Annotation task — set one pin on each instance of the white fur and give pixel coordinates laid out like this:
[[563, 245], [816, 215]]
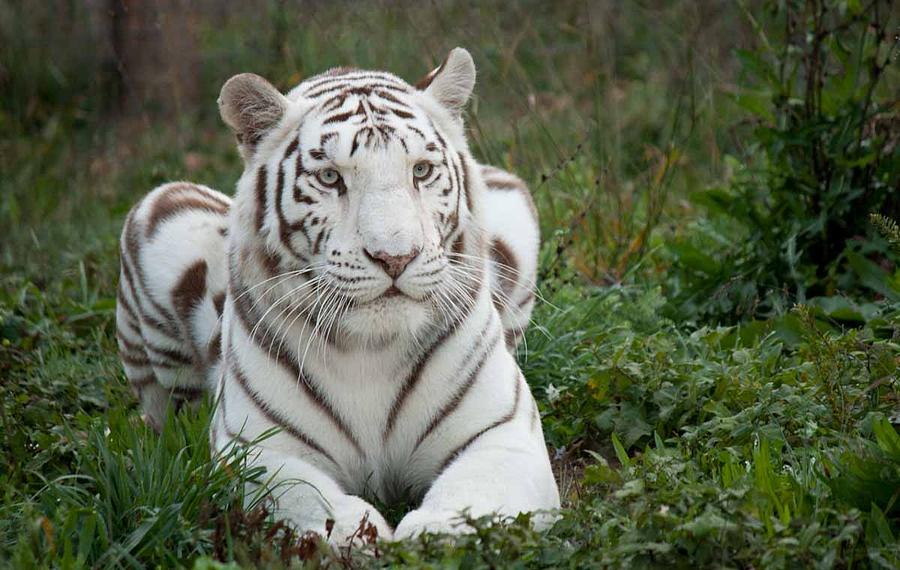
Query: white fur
[[346, 437]]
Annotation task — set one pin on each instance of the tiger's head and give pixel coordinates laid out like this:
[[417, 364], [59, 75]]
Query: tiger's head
[[361, 194]]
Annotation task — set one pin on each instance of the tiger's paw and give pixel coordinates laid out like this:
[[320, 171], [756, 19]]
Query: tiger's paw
[[431, 521], [357, 523]]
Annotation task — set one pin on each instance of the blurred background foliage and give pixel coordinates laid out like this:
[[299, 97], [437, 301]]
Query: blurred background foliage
[[716, 360], [595, 103]]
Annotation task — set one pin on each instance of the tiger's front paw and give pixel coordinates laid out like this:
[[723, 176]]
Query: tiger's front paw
[[431, 521], [357, 523]]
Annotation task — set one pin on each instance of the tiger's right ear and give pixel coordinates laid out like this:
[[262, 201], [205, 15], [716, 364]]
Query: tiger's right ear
[[251, 106]]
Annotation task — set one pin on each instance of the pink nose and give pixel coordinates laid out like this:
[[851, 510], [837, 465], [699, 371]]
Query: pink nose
[[393, 265]]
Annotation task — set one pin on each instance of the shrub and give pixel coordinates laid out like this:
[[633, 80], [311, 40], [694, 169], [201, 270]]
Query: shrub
[[792, 224]]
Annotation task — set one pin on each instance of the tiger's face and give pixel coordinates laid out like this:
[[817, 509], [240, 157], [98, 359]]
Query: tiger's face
[[357, 185]]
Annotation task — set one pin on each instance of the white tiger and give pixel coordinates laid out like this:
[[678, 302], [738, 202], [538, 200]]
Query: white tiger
[[367, 274]]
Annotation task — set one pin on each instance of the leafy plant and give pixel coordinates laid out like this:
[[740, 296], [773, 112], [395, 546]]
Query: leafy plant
[[888, 228], [823, 153], [868, 473]]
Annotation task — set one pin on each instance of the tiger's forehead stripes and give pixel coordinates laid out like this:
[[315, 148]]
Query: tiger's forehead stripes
[[365, 84], [338, 99], [350, 76], [361, 100]]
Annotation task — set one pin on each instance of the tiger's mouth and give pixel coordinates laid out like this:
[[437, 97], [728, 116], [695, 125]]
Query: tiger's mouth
[[391, 294], [392, 291]]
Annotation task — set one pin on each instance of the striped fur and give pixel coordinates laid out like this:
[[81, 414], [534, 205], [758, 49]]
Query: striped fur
[[371, 279], [170, 296]]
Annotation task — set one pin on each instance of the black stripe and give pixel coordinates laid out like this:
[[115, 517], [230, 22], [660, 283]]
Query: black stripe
[[415, 375], [249, 319], [212, 195], [234, 436], [135, 360], [299, 170], [459, 191], [166, 355], [510, 185], [219, 302], [318, 242], [401, 114], [333, 103], [291, 148], [355, 144], [126, 306], [437, 134], [465, 186], [370, 86], [130, 254], [417, 131], [460, 394], [388, 97], [272, 415], [261, 184], [142, 382], [190, 290], [179, 198], [127, 344], [165, 329], [527, 299], [214, 348], [511, 338], [284, 228], [184, 395], [507, 418], [340, 117], [315, 83]]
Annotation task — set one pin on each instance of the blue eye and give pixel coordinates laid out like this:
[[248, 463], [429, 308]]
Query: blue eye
[[422, 170], [328, 177]]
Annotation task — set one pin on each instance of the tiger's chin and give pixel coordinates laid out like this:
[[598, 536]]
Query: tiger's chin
[[386, 320]]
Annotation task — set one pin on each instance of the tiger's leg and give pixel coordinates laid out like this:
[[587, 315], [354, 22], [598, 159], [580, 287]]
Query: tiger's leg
[[309, 499], [152, 396], [171, 290], [303, 492], [503, 470], [511, 221]]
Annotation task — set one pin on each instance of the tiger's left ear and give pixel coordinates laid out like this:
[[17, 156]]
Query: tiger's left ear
[[451, 84]]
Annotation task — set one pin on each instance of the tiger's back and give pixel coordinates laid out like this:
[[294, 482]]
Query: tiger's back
[[171, 294]]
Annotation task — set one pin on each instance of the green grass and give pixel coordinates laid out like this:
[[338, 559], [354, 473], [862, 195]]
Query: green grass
[[677, 443]]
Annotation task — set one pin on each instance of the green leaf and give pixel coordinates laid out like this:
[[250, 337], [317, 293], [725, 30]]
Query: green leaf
[[691, 257], [878, 531], [658, 441], [844, 309], [887, 437], [707, 523], [872, 276], [757, 103], [621, 454]]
